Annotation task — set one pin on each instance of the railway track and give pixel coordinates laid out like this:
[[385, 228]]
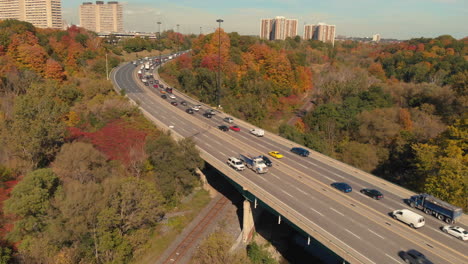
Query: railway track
[[179, 252]]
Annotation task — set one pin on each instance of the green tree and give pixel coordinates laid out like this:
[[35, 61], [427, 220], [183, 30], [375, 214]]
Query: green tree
[[36, 131], [259, 255], [30, 200], [174, 165], [5, 255], [215, 250]]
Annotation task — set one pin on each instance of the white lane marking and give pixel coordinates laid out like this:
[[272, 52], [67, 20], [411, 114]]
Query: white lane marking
[[286, 193], [397, 261], [352, 233], [302, 191], [316, 211], [223, 154], [303, 166], [263, 178], [376, 234], [272, 174], [208, 145], [328, 178], [340, 213]]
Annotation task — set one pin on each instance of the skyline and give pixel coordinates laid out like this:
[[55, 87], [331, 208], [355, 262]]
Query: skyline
[[360, 18]]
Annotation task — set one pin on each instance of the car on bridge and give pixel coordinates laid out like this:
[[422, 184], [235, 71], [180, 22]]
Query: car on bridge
[[207, 115], [275, 154], [184, 103], [235, 128], [456, 231], [228, 119], [300, 151], [171, 96], [164, 96], [267, 161], [174, 103], [342, 186], [376, 194], [414, 257], [196, 107], [236, 164], [189, 111], [223, 128]]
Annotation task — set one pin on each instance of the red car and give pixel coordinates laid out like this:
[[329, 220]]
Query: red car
[[234, 128], [155, 86]]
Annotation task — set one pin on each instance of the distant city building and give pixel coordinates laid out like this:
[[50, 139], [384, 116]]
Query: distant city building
[[376, 38], [321, 32], [102, 18], [40, 13], [278, 28]]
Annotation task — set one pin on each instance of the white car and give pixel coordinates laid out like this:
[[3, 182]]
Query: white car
[[229, 119], [456, 231], [236, 163], [196, 107], [171, 96]]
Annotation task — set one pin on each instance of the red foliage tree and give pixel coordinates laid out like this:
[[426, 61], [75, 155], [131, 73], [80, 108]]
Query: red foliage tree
[[117, 140]]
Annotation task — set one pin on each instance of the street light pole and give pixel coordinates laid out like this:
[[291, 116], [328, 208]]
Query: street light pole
[[177, 35], [219, 62], [159, 38]]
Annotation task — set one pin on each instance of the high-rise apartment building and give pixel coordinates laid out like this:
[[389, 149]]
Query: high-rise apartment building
[[376, 38], [40, 13], [278, 28], [102, 18], [321, 31]]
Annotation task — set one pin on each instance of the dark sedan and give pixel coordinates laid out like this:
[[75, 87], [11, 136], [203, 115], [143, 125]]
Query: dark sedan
[[207, 115], [267, 161], [372, 193], [342, 186], [189, 110], [174, 103], [164, 96], [223, 128]]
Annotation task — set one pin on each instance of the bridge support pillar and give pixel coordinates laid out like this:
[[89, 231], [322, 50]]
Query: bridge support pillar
[[248, 226], [205, 185]]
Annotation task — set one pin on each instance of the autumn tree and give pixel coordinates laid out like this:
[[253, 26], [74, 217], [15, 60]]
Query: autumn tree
[[81, 162]]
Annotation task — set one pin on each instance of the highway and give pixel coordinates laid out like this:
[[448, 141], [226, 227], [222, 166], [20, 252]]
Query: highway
[[357, 224]]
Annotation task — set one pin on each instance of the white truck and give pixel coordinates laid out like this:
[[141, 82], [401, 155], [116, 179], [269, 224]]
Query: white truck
[[147, 66], [254, 163], [235, 163], [257, 132]]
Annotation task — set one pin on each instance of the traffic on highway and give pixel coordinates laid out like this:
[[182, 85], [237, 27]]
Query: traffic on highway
[[371, 219]]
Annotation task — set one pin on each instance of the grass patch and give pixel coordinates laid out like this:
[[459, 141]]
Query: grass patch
[[159, 242]]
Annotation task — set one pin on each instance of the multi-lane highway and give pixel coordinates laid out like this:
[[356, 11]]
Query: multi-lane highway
[[359, 227]]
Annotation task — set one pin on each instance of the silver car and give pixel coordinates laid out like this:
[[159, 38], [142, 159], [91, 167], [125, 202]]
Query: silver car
[[456, 231]]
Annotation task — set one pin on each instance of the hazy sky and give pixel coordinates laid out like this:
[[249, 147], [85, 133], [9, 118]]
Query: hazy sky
[[402, 19]]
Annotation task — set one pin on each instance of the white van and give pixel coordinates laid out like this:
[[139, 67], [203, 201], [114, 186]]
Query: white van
[[411, 218]]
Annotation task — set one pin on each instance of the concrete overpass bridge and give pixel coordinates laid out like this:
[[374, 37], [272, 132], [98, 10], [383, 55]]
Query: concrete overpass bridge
[[297, 189]]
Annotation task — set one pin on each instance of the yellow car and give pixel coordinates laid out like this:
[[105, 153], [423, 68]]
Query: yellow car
[[275, 154]]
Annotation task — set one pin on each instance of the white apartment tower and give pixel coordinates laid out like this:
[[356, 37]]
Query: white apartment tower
[[40, 13], [376, 38], [321, 32], [102, 18], [278, 28]]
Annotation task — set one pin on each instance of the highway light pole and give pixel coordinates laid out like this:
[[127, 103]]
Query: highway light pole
[[177, 36], [219, 62], [159, 38]]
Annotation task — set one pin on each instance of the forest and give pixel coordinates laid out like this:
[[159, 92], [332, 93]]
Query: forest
[[397, 110], [84, 177]]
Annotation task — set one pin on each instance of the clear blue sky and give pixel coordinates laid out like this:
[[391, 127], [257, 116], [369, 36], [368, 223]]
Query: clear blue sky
[[402, 19]]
